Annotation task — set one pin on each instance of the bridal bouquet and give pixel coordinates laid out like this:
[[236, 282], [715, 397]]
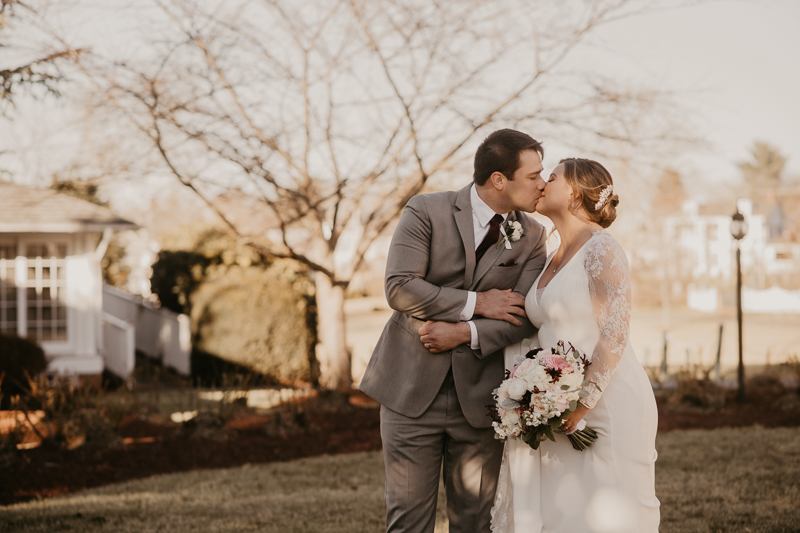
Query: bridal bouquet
[[538, 394]]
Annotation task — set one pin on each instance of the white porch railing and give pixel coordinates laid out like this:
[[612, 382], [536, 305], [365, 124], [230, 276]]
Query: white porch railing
[[159, 333], [120, 345]]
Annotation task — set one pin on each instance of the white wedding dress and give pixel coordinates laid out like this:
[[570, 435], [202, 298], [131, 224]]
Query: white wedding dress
[[608, 487]]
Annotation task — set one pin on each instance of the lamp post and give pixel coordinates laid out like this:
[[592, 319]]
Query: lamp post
[[738, 231]]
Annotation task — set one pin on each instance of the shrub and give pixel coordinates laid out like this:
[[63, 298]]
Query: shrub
[[790, 372], [765, 384], [176, 274], [73, 414], [257, 318], [88, 426], [695, 388], [207, 425], [249, 312], [19, 359]]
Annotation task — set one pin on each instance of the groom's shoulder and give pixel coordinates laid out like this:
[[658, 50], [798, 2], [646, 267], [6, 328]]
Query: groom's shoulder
[[440, 198]]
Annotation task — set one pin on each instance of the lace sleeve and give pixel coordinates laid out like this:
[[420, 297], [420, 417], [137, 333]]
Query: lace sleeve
[[610, 289]]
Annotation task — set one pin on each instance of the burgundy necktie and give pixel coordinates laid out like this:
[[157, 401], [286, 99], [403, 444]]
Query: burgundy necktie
[[490, 238]]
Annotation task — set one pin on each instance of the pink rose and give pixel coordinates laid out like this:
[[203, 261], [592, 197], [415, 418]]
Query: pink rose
[[556, 362]]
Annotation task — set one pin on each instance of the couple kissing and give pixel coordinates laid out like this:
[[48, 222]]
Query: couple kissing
[[472, 288]]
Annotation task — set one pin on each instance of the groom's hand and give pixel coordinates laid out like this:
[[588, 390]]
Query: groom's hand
[[440, 337], [500, 305]]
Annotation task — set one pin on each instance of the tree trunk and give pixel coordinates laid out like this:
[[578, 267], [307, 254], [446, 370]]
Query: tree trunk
[[332, 352]]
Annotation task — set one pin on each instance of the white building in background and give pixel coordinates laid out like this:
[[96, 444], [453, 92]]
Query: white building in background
[[699, 253], [51, 284]]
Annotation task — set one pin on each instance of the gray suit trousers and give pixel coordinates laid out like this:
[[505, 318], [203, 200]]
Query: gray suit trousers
[[416, 450]]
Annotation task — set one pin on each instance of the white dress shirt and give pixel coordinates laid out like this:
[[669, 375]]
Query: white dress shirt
[[482, 214]]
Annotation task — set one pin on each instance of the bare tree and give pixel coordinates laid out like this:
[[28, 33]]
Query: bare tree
[[34, 52], [331, 114]]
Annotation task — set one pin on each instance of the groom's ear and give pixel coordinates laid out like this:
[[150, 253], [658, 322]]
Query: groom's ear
[[498, 180]]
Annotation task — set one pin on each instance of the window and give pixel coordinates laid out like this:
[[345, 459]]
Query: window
[[32, 290], [8, 288], [46, 316]]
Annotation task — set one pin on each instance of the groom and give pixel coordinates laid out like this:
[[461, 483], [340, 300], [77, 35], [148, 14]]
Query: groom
[[457, 285]]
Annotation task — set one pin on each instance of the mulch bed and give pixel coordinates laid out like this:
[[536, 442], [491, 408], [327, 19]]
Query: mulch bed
[[754, 413], [349, 426], [152, 449]]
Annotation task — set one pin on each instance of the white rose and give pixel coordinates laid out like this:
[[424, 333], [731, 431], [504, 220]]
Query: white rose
[[562, 404], [511, 418], [537, 377], [517, 231], [524, 368], [503, 399], [517, 388]]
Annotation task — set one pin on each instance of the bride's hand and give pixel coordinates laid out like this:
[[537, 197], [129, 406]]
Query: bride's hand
[[569, 424]]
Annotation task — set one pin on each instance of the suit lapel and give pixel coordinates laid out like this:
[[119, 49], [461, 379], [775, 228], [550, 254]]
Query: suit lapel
[[492, 254], [463, 216]]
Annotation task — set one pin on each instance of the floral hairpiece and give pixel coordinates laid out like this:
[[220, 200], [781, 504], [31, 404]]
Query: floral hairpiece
[[604, 194]]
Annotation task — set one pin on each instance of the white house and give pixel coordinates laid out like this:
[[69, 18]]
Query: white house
[[51, 285]]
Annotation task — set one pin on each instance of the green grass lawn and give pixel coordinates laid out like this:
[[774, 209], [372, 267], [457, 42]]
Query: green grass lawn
[[708, 481]]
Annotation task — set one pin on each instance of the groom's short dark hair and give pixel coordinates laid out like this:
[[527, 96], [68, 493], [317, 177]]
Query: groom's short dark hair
[[499, 152]]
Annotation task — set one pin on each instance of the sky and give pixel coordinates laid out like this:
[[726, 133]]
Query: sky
[[735, 63], [732, 64]]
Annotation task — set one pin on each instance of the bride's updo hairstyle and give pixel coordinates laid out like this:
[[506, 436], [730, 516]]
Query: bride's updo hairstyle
[[588, 180]]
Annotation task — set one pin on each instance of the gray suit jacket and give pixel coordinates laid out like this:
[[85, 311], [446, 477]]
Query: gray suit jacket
[[430, 268]]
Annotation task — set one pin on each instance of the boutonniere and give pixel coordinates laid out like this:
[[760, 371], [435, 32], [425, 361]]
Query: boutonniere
[[513, 234]]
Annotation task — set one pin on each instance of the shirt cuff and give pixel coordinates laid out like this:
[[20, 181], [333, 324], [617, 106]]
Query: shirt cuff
[[473, 336], [469, 309]]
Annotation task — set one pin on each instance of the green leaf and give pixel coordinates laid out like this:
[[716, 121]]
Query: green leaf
[[584, 394], [549, 433], [588, 382], [564, 387], [526, 343], [573, 405], [532, 439]]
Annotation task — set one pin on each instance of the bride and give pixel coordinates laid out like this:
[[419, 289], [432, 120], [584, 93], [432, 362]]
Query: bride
[[583, 296]]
